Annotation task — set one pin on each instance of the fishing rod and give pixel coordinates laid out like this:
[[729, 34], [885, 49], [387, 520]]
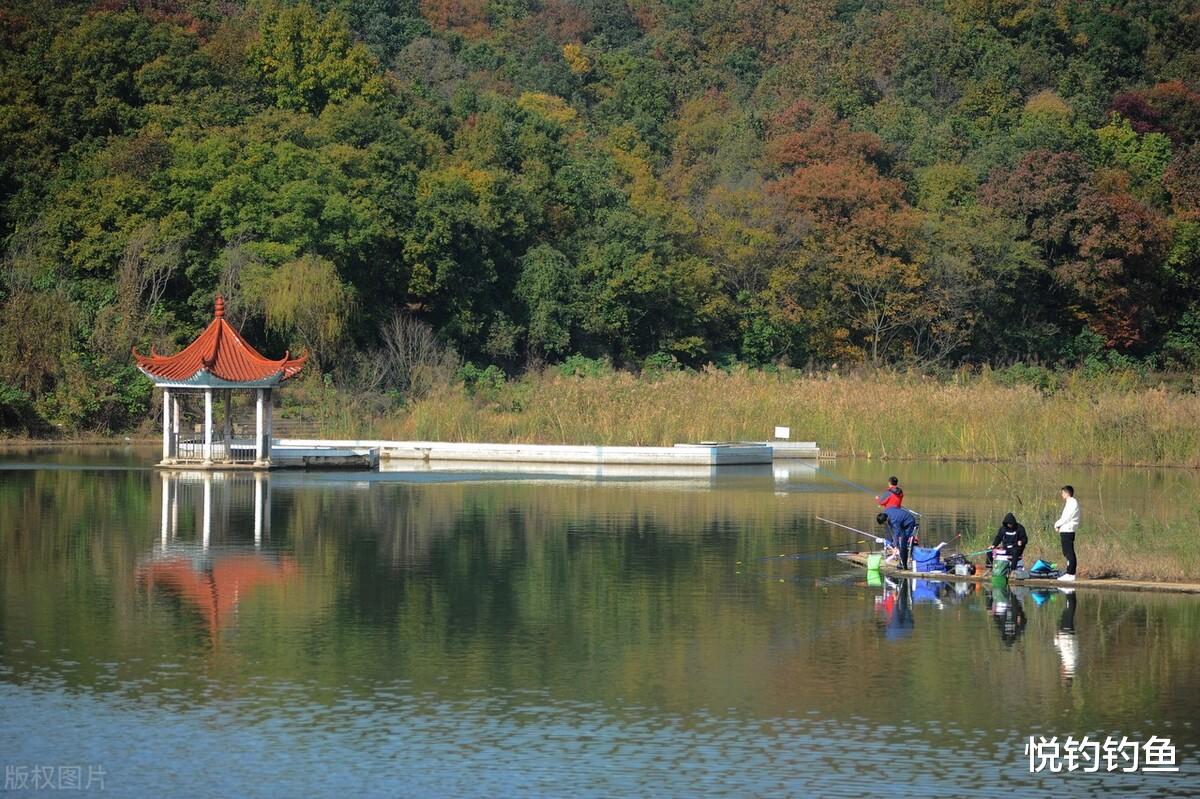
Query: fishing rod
[[850, 483], [858, 486], [809, 551], [875, 538]]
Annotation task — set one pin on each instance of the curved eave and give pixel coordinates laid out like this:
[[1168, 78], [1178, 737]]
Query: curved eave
[[206, 379]]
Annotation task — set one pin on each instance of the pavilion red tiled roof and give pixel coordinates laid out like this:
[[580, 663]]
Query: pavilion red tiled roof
[[220, 351]]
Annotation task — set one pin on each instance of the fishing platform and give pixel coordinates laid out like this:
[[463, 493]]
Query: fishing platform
[[859, 559]]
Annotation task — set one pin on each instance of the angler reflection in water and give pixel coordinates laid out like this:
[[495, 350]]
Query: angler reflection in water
[[1064, 639], [899, 597], [895, 607], [1007, 612], [207, 579]]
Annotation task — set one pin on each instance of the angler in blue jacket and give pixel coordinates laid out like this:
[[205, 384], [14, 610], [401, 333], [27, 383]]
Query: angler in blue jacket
[[900, 527]]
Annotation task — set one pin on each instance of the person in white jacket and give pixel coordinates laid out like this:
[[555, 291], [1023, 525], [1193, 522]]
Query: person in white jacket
[[1067, 524]]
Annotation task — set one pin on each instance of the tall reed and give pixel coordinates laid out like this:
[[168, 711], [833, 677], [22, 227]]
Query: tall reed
[[877, 416]]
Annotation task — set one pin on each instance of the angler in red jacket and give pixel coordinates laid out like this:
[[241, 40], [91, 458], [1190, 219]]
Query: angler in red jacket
[[893, 497]]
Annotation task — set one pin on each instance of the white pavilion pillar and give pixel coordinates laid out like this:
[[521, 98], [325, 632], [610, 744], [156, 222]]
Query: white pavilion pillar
[[167, 400], [208, 425], [176, 413], [228, 428], [260, 446], [270, 422]]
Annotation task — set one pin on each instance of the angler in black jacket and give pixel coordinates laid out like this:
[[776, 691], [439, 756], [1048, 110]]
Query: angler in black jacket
[[1012, 537]]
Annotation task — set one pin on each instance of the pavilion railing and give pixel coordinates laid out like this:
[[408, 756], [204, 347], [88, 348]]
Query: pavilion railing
[[189, 448]]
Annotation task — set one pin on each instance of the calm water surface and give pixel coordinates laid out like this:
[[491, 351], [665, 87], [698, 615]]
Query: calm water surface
[[561, 632]]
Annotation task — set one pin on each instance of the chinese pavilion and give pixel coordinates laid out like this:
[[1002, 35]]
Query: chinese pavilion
[[219, 360]]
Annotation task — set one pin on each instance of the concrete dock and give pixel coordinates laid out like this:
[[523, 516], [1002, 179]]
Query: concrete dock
[[325, 455], [368, 454], [705, 454]]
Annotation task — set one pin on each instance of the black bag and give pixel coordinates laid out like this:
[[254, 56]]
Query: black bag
[[953, 560]]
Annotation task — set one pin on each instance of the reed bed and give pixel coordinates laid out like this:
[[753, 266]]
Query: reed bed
[[883, 416]]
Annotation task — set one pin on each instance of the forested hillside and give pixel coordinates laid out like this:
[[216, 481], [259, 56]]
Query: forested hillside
[[691, 181]]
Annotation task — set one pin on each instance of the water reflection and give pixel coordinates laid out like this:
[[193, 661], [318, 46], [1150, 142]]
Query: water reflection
[[437, 625], [213, 581], [195, 491], [1064, 639], [1007, 612], [896, 606], [899, 596]]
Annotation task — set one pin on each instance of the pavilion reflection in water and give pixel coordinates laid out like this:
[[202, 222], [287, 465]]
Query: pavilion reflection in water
[[211, 577]]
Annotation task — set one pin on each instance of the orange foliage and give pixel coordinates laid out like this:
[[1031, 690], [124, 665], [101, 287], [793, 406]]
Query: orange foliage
[[833, 176], [559, 21], [468, 17]]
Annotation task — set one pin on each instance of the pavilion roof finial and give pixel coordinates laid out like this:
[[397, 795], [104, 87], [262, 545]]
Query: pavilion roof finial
[[219, 309]]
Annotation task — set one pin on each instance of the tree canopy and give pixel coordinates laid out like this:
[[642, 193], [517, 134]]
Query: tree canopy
[[956, 182]]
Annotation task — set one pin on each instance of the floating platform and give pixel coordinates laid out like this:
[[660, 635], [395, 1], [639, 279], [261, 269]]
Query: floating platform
[[285, 455], [239, 457], [793, 450], [705, 454], [860, 559], [367, 454]]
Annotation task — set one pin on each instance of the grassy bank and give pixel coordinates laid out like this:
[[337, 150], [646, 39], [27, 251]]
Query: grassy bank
[[879, 416], [1138, 551]]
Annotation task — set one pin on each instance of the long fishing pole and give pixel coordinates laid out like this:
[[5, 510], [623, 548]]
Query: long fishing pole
[[858, 486], [809, 551], [875, 538], [850, 483]]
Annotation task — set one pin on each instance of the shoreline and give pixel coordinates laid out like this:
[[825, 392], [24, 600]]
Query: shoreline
[[117, 439], [1105, 570]]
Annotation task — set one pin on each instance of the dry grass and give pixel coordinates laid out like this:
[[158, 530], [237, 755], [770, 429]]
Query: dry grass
[[882, 416]]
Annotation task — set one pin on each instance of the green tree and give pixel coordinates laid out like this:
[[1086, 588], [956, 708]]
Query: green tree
[[307, 60], [307, 302], [549, 290]]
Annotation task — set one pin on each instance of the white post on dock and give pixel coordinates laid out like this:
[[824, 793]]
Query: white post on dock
[[176, 426], [208, 425], [166, 425]]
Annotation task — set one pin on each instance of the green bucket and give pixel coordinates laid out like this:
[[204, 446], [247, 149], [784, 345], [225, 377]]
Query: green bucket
[[874, 561], [1000, 568]]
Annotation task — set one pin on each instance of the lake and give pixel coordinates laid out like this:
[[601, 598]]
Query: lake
[[561, 632]]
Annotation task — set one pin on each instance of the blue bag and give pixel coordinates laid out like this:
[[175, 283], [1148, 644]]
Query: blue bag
[[1043, 569], [927, 560]]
